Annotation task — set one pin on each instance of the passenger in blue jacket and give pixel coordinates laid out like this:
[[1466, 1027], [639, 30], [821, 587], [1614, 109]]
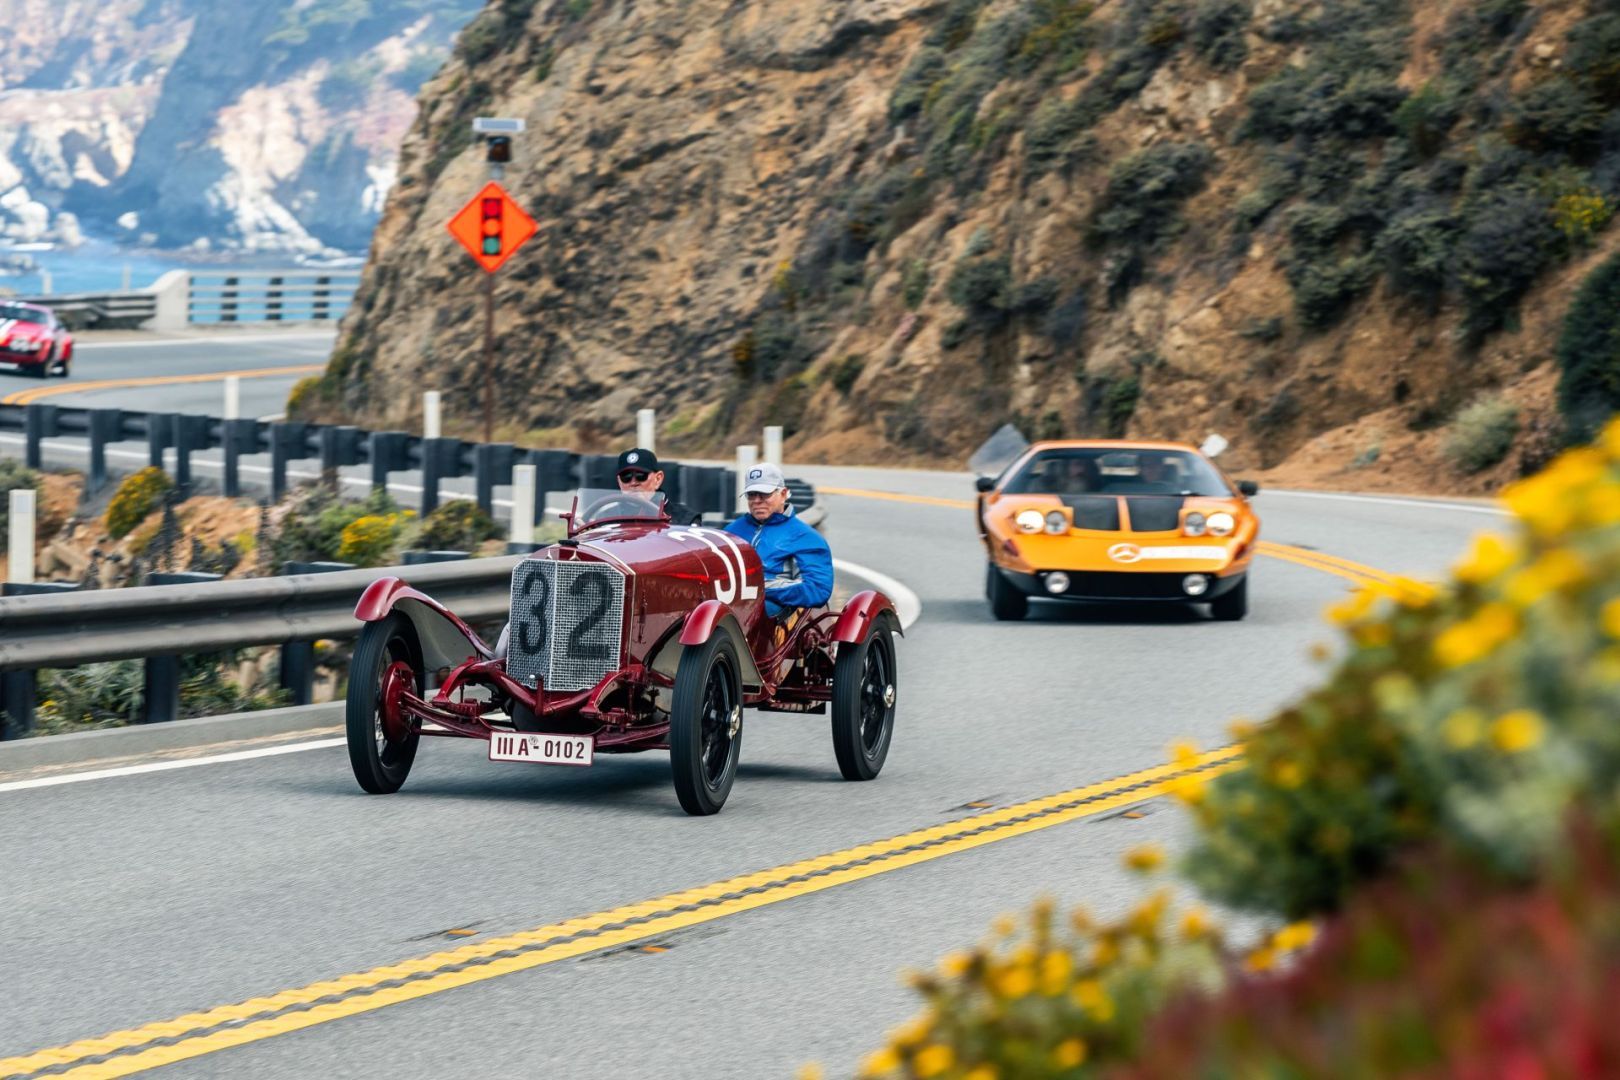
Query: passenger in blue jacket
[[798, 562]]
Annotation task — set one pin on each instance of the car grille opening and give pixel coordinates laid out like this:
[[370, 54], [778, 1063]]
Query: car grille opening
[[1099, 513], [567, 623], [1155, 513], [1125, 585]]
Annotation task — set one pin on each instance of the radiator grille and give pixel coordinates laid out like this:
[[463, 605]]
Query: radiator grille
[[567, 623]]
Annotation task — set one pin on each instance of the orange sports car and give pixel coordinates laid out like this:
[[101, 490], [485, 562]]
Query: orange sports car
[[1117, 521]]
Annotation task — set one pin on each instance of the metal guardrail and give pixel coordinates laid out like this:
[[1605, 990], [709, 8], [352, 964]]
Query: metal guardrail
[[705, 488], [269, 295], [104, 311]]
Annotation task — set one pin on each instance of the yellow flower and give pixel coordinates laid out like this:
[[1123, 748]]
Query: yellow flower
[[1069, 1053], [1242, 729], [912, 1033], [1349, 611], [1608, 664], [1145, 859], [1476, 637], [983, 1072], [1196, 924], [933, 1060], [1489, 559], [811, 1071], [1004, 925], [1144, 920], [1516, 731], [1602, 507], [880, 1062], [1288, 775], [956, 964], [1183, 752], [1610, 439], [1555, 570], [1056, 967], [1190, 789], [1262, 959], [1015, 982], [1090, 996], [1411, 593], [1463, 728], [1294, 936], [1609, 618]]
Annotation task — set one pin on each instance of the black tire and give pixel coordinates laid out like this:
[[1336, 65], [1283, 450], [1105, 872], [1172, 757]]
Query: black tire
[[1006, 603], [1234, 605], [705, 725], [380, 764], [865, 682]]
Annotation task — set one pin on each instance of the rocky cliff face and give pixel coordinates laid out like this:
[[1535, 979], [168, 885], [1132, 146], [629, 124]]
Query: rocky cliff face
[[1325, 230], [207, 123]]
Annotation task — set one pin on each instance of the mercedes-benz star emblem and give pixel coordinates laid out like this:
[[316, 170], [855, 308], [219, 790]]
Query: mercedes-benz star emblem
[[1125, 553]]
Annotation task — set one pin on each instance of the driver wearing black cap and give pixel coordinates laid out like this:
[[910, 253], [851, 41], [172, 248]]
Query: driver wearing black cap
[[639, 473]]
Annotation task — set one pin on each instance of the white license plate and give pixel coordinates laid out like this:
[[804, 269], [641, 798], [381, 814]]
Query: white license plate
[[542, 749]]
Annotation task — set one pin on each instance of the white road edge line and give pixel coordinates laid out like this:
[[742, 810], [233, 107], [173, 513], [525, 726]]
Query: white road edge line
[[1393, 501], [905, 600], [165, 766], [238, 339]]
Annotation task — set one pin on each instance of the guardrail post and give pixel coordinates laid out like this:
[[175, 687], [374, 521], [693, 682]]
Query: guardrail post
[[340, 446], [20, 536], [18, 692], [492, 464], [190, 433], [555, 470], [227, 301], [236, 438], [438, 461], [287, 441], [431, 414], [646, 429], [773, 445], [296, 669], [389, 452], [233, 397], [105, 426], [39, 422], [322, 292], [747, 458], [159, 430], [520, 533], [160, 698], [272, 303]]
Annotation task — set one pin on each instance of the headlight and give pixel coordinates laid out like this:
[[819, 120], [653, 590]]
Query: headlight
[[20, 344], [1194, 524], [1221, 524], [1030, 520], [1056, 523]]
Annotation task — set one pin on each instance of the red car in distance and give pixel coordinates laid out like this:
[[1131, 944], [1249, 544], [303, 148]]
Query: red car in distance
[[631, 634], [33, 340]]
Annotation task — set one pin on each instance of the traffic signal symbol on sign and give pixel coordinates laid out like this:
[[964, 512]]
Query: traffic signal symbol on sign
[[491, 227]]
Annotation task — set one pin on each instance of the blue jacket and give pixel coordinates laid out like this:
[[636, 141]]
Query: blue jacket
[[777, 539]]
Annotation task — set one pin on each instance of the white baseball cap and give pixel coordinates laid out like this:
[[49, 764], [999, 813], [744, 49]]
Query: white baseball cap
[[764, 477]]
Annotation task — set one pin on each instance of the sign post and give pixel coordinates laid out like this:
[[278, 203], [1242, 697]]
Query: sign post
[[491, 227]]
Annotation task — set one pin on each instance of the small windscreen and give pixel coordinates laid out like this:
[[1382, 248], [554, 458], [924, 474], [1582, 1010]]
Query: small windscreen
[[1097, 471], [596, 505]]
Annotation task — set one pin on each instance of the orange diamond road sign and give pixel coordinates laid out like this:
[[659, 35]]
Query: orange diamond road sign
[[491, 227]]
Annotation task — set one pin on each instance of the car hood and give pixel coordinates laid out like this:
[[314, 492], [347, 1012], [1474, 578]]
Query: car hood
[[10, 328]]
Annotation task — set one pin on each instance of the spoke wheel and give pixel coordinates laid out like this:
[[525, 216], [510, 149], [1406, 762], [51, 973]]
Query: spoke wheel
[[865, 688], [382, 742], [705, 728]]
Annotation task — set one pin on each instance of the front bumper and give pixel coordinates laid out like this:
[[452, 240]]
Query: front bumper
[[23, 359], [1122, 586]]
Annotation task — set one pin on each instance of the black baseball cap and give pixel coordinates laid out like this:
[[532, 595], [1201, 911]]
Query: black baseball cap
[[637, 458]]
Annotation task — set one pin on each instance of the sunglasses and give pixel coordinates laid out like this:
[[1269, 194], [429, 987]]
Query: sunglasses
[[634, 476]]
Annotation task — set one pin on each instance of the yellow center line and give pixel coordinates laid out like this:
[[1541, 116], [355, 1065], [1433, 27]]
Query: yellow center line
[[137, 1049], [25, 397], [895, 496]]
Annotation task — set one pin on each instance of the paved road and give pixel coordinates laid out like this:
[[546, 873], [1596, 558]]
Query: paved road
[[142, 898], [98, 361]]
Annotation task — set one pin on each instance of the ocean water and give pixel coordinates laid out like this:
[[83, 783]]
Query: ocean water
[[98, 266]]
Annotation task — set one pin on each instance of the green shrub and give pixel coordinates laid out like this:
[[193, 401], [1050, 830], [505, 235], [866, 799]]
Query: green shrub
[[1555, 115], [457, 525], [1139, 205], [96, 696], [1054, 138], [1588, 352], [1325, 289], [1424, 119], [1217, 32], [1416, 250], [14, 475], [982, 288], [1510, 237], [1482, 434], [1066, 320], [844, 373], [312, 530], [367, 540], [139, 494], [914, 281]]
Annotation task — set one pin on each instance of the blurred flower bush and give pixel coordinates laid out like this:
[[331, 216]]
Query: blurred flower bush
[[1446, 808]]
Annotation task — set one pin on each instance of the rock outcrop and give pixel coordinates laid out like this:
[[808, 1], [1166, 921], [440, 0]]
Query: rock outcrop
[[891, 225]]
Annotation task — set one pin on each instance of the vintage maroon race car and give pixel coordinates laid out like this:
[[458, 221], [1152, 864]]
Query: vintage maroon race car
[[32, 339], [632, 634]]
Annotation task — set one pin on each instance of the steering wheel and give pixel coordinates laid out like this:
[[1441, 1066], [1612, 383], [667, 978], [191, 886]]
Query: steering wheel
[[612, 506]]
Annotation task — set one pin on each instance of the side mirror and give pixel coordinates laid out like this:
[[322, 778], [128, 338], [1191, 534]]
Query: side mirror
[[1249, 488], [985, 483]]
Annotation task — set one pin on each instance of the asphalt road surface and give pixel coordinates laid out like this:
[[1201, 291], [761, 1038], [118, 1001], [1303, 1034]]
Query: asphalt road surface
[[143, 898]]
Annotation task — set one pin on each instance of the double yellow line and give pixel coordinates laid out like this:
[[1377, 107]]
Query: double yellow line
[[25, 397], [1367, 577], [195, 1034]]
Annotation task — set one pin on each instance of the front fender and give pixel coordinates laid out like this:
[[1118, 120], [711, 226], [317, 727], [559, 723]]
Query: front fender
[[860, 614], [711, 617], [443, 637]]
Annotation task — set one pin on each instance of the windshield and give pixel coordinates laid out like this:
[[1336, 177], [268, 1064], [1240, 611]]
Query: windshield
[[595, 505], [1097, 471], [24, 313]]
